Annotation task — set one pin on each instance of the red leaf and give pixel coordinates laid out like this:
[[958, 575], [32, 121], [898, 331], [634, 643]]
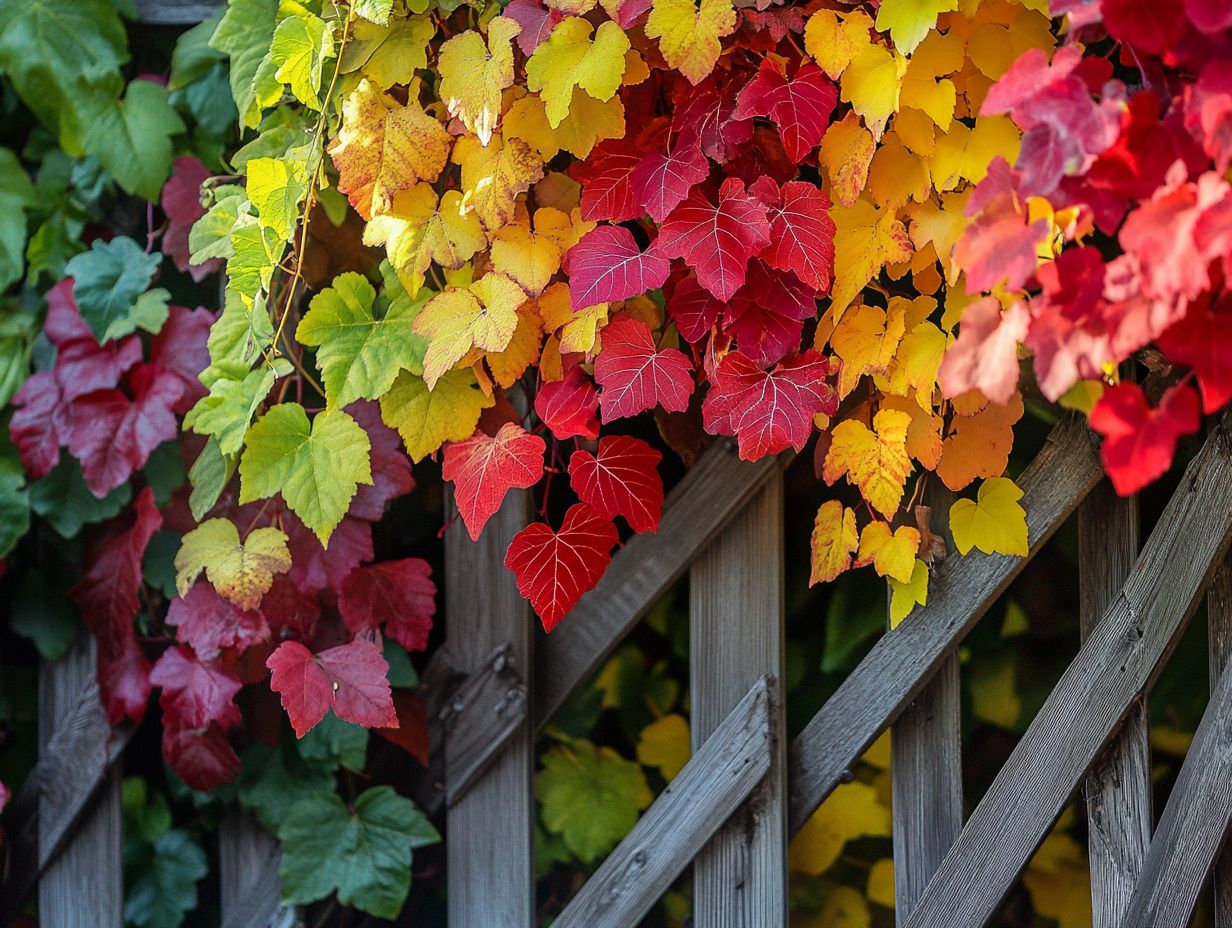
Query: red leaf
[[717, 242], [194, 695], [82, 365], [412, 732], [181, 201], [662, 181], [1139, 441], [606, 265], [1202, 340], [554, 569], [484, 468], [180, 347], [287, 608], [607, 188], [694, 310], [633, 376], [768, 411], [391, 468], [123, 679], [801, 231], [569, 407], [312, 567], [985, 356], [622, 480], [203, 759], [768, 314], [800, 107], [350, 679], [705, 116], [113, 436], [1210, 16], [399, 595], [1148, 25], [1208, 110], [40, 425], [536, 20], [208, 623], [999, 246]]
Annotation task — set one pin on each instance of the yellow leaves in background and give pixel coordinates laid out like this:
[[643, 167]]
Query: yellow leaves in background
[[425, 418], [664, 743], [474, 73], [872, 82], [853, 810], [689, 33], [909, 21], [483, 315], [843, 907], [906, 596], [571, 59], [1058, 879], [834, 541], [993, 522], [874, 460], [964, 154], [891, 551]]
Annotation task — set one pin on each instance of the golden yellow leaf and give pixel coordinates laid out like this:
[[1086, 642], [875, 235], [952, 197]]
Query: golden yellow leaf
[[493, 176], [874, 460], [589, 122], [924, 433], [417, 231], [853, 810], [898, 174], [833, 38], [689, 34], [571, 59], [924, 86], [865, 240], [891, 551], [521, 352], [664, 743], [993, 522], [426, 419], [1059, 882], [906, 596], [915, 366], [979, 445], [389, 54], [871, 84], [916, 129], [474, 72], [483, 315], [531, 258], [880, 888], [834, 540], [994, 697], [242, 572], [964, 154], [866, 339], [940, 221], [841, 907], [845, 155]]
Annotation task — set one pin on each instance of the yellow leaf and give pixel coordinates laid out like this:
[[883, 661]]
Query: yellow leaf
[[874, 460], [689, 35], [521, 352], [554, 306], [916, 129], [897, 174], [580, 334], [1082, 396], [993, 47], [389, 54], [664, 743], [916, 364], [425, 418], [891, 551], [834, 38], [418, 231], [924, 433], [834, 540], [846, 153], [979, 445], [923, 85], [483, 315], [993, 522], [964, 154], [1059, 882], [908, 21], [494, 176], [843, 907], [853, 810], [865, 240], [589, 122], [865, 339], [871, 84], [531, 258], [384, 147], [994, 698], [940, 222], [906, 596], [241, 572], [474, 72], [569, 59], [880, 887]]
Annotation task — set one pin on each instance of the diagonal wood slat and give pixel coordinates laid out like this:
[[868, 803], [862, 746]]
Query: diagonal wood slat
[[1219, 637], [690, 810], [1113, 667], [901, 663]]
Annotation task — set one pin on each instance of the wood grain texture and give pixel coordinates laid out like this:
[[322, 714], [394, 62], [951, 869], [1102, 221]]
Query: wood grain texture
[[250, 890], [1115, 664], [926, 761], [490, 843], [736, 637], [1219, 624], [714, 490], [716, 780], [1118, 788], [175, 12], [960, 592]]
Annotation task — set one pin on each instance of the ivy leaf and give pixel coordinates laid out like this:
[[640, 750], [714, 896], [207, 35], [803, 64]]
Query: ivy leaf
[[363, 853], [993, 522], [834, 540], [316, 467], [194, 695], [210, 624], [165, 889], [131, 137], [181, 203], [391, 470], [891, 551], [426, 418], [908, 21], [107, 282], [554, 569], [1202, 340], [241, 571], [350, 679], [360, 355], [68, 505], [875, 460], [202, 758], [622, 479], [375, 11], [493, 176], [865, 240], [634, 376], [274, 779], [571, 58], [606, 266], [607, 182], [483, 468], [398, 595], [483, 315], [590, 796], [1139, 441], [800, 106]]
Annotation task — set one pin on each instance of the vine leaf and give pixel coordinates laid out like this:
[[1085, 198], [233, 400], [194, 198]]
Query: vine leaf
[[591, 797], [483, 468], [243, 571], [1139, 441], [634, 376], [875, 460], [398, 595], [800, 106], [622, 479], [606, 266], [993, 521], [833, 542], [350, 679], [427, 418]]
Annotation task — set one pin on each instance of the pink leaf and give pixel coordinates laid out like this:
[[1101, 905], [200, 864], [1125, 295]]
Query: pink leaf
[[606, 266]]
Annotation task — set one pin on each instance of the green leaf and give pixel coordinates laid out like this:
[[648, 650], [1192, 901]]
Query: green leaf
[[272, 780], [236, 393], [364, 853], [145, 817], [208, 101], [42, 612], [210, 236], [332, 742], [401, 670], [239, 336], [276, 188], [302, 42], [158, 563], [244, 33], [360, 355], [131, 137], [16, 195], [376, 11], [193, 56], [53, 245], [107, 282], [64, 500], [209, 475], [14, 502], [166, 889], [316, 467], [164, 471], [591, 797], [256, 252]]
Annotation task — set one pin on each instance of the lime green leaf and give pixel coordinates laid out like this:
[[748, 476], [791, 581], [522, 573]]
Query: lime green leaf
[[256, 252], [241, 571], [316, 467], [276, 188], [210, 236], [333, 742], [375, 11], [360, 355], [234, 397], [107, 282], [425, 418], [239, 336], [131, 137], [302, 42], [363, 853], [591, 797], [244, 33]]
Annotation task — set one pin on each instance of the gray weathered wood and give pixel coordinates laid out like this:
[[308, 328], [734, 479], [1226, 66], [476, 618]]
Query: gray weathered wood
[[711, 493], [250, 890], [1115, 664], [1118, 788], [490, 843], [926, 762], [482, 714], [1219, 621], [716, 780], [175, 12], [736, 626], [960, 592]]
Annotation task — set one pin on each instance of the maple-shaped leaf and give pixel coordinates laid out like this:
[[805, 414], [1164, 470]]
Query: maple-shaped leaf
[[209, 624], [203, 759], [891, 551], [569, 407], [313, 568], [289, 609], [181, 202], [633, 375], [768, 314], [716, 242], [112, 435], [874, 460], [483, 315], [834, 541], [1139, 441], [689, 33], [800, 106], [398, 595], [123, 678], [993, 522], [484, 468], [985, 355], [999, 248], [571, 58], [705, 115], [865, 240], [801, 231], [606, 266], [241, 571], [1202, 340], [384, 147], [909, 21], [391, 469], [181, 347], [607, 182], [979, 444], [494, 176], [474, 73], [428, 418], [350, 679], [537, 22], [194, 695], [866, 339], [662, 180], [769, 411], [693, 308], [420, 229], [554, 569], [622, 479], [315, 466]]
